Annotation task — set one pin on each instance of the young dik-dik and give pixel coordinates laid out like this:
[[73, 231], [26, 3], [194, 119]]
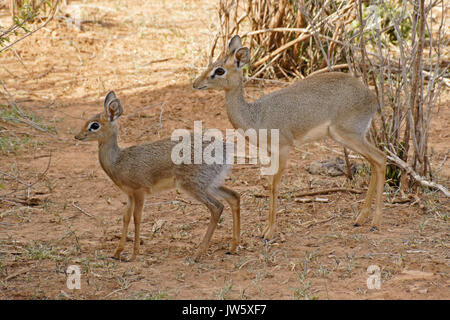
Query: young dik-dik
[[148, 168], [333, 104]]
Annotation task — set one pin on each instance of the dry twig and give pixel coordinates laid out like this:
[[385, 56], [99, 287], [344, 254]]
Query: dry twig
[[394, 158]]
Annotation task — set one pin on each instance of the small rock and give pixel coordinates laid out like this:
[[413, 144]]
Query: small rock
[[422, 291], [329, 167]]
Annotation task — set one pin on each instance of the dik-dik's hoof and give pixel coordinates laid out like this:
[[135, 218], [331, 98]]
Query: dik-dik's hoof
[[268, 235], [116, 255], [198, 256], [119, 258], [230, 252], [362, 217]]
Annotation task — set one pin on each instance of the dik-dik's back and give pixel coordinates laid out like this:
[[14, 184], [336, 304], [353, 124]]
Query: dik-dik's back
[[150, 167], [320, 100]]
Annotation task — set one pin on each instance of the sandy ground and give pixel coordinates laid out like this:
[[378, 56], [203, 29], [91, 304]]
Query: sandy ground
[[149, 52]]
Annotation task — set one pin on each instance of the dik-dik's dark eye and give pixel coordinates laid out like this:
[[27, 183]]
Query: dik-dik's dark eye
[[94, 126], [219, 71]]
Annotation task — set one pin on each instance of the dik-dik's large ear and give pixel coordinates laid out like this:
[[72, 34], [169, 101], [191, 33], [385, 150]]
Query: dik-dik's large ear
[[114, 109], [234, 44], [241, 57], [110, 96]]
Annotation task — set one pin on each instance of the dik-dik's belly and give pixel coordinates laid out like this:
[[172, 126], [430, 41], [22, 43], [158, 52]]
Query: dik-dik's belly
[[312, 134], [162, 185]]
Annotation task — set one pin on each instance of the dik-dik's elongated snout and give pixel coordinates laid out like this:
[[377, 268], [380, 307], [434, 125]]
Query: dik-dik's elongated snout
[[200, 83], [81, 136]]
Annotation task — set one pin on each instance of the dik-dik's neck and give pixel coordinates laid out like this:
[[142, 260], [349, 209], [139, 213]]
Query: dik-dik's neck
[[108, 152], [240, 113]]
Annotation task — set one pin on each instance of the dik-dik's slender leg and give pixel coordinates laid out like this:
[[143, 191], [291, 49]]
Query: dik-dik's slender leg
[[377, 159], [274, 181], [233, 199], [216, 209], [126, 221], [365, 210], [380, 158], [137, 216]]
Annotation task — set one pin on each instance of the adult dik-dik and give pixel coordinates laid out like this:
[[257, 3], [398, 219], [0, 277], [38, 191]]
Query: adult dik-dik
[[332, 104], [149, 168]]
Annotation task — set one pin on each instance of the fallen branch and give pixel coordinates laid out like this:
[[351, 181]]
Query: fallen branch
[[399, 162], [118, 290], [16, 274], [311, 223], [308, 200], [82, 210], [313, 193], [326, 191]]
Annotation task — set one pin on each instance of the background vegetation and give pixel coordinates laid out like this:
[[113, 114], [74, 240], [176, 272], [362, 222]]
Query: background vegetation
[[395, 46]]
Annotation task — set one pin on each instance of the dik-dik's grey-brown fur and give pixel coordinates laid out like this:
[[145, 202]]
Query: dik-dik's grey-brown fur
[[148, 168], [333, 104]]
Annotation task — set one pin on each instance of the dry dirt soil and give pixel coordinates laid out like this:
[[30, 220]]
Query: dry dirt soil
[[149, 52]]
